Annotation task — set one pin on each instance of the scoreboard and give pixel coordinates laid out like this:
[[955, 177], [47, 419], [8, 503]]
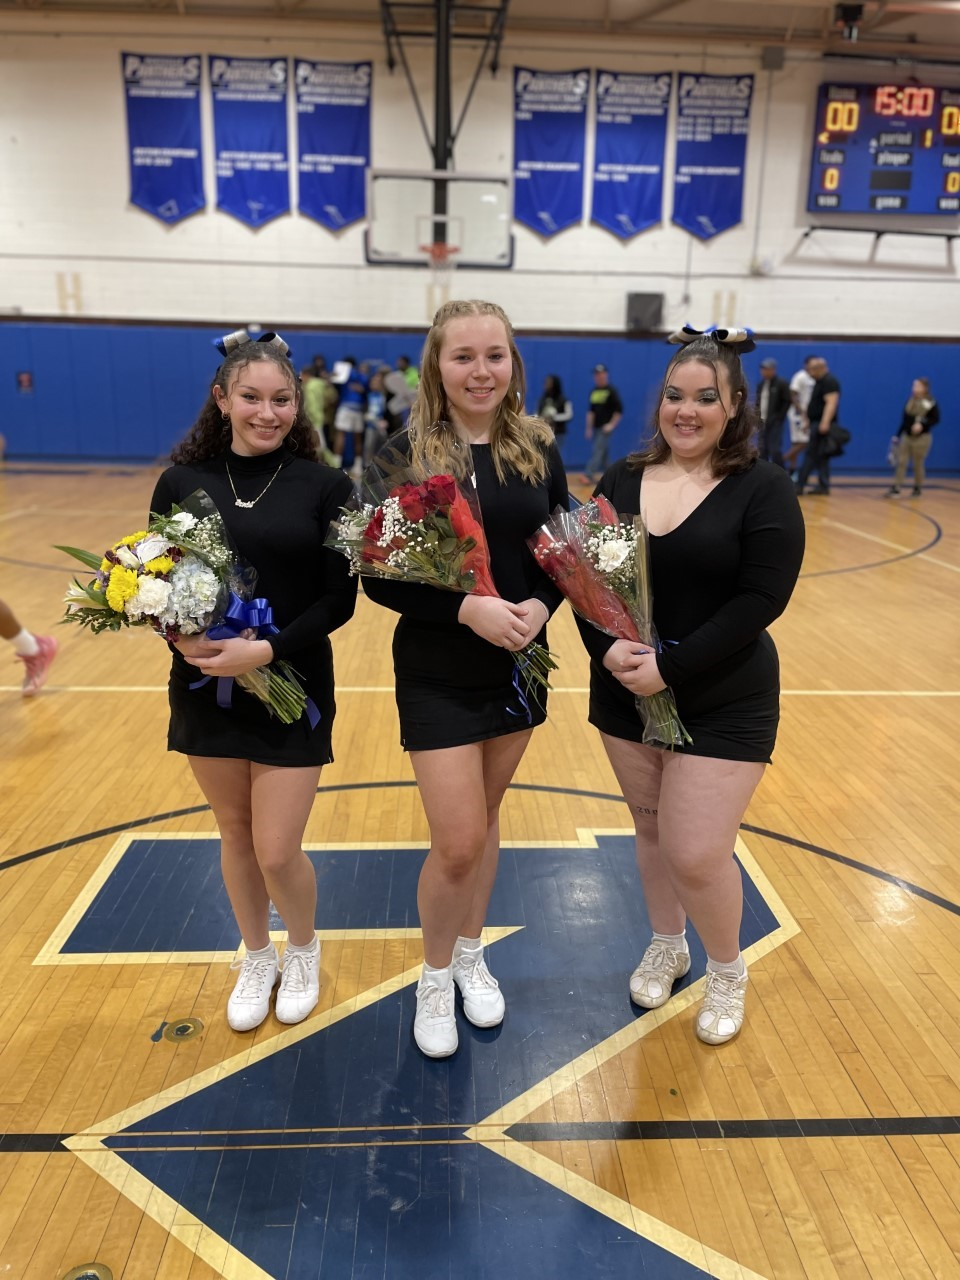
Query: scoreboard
[[886, 148]]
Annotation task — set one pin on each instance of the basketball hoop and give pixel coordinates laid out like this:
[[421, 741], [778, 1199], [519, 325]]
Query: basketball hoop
[[440, 256]]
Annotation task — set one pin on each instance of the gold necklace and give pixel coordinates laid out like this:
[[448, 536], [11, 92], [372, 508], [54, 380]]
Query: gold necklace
[[238, 501]]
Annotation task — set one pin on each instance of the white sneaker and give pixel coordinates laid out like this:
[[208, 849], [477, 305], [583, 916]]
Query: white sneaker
[[434, 1027], [250, 1002], [721, 1015], [652, 980], [299, 985], [483, 1002]]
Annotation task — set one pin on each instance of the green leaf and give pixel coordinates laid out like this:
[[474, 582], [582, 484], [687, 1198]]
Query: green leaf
[[85, 557]]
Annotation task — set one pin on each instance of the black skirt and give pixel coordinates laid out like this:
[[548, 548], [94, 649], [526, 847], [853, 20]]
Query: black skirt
[[455, 688], [731, 713], [246, 730]]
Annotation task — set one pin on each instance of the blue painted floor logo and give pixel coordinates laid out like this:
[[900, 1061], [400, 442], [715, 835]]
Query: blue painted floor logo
[[334, 1150]]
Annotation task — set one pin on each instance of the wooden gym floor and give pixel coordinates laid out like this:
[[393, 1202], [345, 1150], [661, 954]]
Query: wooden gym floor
[[581, 1138]]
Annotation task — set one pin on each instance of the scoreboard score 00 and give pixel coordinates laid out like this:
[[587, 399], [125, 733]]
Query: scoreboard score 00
[[886, 148]]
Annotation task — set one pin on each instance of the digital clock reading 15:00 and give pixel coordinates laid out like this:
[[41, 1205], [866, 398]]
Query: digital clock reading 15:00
[[886, 148]]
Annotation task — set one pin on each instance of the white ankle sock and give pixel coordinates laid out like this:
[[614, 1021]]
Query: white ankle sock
[[311, 948], [264, 953], [732, 968], [675, 941], [473, 945], [439, 977], [25, 644]]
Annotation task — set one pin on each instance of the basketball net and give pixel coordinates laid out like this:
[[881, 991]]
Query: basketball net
[[441, 262]]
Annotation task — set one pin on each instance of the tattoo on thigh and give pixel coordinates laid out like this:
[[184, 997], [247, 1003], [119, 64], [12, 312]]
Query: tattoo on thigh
[[650, 813]]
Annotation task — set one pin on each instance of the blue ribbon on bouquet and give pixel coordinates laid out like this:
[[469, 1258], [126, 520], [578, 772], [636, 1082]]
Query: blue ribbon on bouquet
[[519, 664], [246, 615]]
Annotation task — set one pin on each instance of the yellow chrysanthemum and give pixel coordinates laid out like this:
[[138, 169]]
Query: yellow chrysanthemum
[[122, 585], [105, 565], [159, 566], [131, 539]]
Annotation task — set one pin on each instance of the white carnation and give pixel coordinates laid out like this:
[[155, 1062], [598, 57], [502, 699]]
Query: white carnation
[[150, 600], [611, 555]]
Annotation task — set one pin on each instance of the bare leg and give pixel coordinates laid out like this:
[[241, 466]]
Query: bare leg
[[501, 756], [226, 787], [281, 802], [261, 813], [702, 802], [9, 626], [639, 773], [459, 787]]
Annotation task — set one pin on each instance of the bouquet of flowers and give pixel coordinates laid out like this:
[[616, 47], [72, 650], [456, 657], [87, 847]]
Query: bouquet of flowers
[[431, 532], [602, 566], [181, 576]]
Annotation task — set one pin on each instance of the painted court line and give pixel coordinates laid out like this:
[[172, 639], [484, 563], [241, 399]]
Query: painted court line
[[885, 542]]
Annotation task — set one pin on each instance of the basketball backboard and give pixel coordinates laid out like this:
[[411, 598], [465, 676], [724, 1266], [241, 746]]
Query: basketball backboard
[[411, 210]]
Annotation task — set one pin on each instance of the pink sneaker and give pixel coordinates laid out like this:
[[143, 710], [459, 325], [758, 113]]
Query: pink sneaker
[[38, 666]]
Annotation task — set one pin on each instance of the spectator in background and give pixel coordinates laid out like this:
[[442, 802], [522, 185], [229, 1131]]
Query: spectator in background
[[773, 401], [801, 388], [409, 371], [821, 415], [35, 652], [377, 426], [553, 407], [920, 415], [349, 419], [603, 417]]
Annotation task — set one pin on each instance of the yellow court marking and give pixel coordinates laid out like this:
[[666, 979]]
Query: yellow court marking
[[52, 953], [581, 1188]]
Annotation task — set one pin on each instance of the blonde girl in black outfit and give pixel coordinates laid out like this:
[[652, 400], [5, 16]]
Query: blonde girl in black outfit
[[253, 450], [726, 542], [463, 719]]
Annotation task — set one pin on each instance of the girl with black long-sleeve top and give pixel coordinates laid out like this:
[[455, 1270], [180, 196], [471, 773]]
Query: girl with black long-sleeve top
[[921, 414], [252, 450], [726, 544], [464, 718]]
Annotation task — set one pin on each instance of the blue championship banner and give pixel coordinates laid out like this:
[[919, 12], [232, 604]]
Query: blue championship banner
[[250, 137], [163, 128], [333, 132], [713, 117], [630, 141], [548, 142]]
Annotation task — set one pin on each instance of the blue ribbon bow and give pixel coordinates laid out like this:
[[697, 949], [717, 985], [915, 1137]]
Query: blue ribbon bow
[[246, 615], [520, 663]]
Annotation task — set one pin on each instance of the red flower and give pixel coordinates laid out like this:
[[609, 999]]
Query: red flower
[[413, 501], [583, 584], [465, 527]]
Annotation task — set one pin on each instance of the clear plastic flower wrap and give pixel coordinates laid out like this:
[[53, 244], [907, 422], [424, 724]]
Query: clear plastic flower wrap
[[602, 566]]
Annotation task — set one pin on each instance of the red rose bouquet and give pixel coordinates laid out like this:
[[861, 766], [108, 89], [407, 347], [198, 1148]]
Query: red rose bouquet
[[431, 532], [602, 566]]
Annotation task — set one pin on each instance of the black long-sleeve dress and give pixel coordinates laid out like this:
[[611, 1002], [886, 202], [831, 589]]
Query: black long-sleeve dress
[[719, 579], [453, 687], [309, 588]]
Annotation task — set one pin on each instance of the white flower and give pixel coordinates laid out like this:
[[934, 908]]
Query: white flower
[[194, 590], [126, 557], [181, 522], [151, 598], [151, 547], [611, 555]]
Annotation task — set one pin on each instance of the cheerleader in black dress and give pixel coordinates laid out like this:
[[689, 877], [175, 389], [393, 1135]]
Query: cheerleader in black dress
[[464, 720], [252, 449], [726, 543]]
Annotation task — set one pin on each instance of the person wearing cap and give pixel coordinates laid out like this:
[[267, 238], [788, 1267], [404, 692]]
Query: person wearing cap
[[603, 417], [773, 401]]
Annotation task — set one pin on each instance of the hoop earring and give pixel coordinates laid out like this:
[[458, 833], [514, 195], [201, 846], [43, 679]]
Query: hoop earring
[[292, 443], [224, 416]]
